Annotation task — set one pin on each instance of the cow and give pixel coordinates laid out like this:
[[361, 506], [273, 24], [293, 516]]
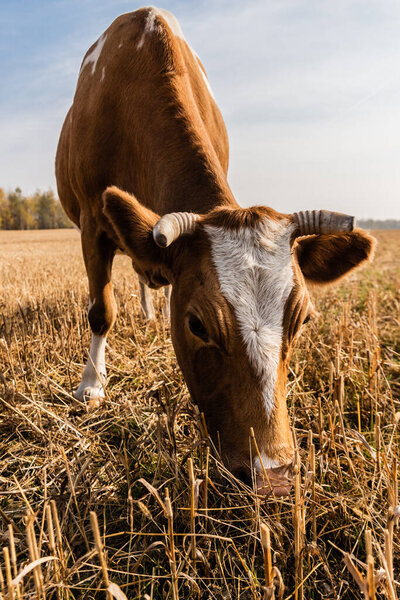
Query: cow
[[142, 167]]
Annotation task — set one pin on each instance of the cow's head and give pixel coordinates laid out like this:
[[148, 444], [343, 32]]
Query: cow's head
[[239, 296]]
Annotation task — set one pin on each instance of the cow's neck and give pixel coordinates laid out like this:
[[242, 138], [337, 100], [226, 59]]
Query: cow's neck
[[196, 194], [190, 179]]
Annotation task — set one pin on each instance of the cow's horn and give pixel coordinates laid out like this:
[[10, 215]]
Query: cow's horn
[[172, 225], [311, 222]]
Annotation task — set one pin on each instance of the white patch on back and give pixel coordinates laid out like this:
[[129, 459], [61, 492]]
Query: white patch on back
[[203, 73], [255, 275], [94, 55], [207, 83], [150, 25], [173, 24]]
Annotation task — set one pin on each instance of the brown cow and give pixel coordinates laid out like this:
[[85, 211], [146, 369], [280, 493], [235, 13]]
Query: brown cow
[[144, 120]]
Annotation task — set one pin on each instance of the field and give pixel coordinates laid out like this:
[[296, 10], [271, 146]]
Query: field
[[129, 495]]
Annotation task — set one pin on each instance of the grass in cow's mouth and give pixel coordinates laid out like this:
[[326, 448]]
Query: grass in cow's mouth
[[128, 495]]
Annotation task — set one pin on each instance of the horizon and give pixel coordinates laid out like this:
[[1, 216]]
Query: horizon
[[308, 91]]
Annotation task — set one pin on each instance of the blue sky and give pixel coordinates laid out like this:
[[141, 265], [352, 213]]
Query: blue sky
[[310, 92]]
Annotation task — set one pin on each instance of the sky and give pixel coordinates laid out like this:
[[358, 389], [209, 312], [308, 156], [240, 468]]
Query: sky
[[309, 90]]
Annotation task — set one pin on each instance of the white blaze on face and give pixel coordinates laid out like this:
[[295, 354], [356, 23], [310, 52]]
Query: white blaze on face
[[94, 55], [255, 275]]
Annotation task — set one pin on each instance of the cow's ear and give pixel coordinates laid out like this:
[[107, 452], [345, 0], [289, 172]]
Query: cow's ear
[[133, 224], [326, 258]]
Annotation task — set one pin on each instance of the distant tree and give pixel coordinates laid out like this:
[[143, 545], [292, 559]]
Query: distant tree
[[29, 215], [5, 215], [62, 221], [18, 209], [45, 210], [40, 211], [379, 224]]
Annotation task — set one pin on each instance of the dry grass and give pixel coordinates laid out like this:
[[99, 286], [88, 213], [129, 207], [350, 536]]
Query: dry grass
[[129, 496]]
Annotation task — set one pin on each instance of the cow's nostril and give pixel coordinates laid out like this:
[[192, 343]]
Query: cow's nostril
[[244, 476]]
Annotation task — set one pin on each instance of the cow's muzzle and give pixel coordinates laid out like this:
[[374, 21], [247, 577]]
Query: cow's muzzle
[[275, 481]]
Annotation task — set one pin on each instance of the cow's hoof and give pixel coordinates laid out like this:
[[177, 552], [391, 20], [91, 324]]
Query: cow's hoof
[[93, 396]]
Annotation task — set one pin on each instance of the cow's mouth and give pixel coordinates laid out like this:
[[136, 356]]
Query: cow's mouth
[[275, 481], [272, 482]]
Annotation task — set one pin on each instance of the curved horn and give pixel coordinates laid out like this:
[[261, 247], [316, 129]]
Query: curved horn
[[311, 222], [173, 225]]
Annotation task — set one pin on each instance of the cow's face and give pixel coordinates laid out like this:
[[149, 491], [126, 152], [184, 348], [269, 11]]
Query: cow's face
[[228, 308], [239, 297]]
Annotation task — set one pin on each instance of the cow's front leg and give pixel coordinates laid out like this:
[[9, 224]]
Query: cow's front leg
[[167, 303], [98, 253], [94, 375], [146, 300]]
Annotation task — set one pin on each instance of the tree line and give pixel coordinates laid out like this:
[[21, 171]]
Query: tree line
[[378, 224], [42, 210]]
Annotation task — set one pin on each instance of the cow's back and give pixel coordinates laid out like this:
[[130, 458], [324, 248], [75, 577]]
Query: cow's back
[[143, 118]]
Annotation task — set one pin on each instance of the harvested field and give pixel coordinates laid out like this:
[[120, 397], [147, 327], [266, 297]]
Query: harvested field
[[129, 496]]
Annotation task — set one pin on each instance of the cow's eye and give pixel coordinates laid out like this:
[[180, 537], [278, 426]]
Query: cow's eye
[[197, 328]]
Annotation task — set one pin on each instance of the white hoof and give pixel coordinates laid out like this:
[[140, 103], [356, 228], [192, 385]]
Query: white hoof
[[93, 396], [148, 315]]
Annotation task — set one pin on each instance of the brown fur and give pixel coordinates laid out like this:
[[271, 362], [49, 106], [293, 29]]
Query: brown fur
[[150, 126], [133, 224], [237, 218], [327, 258]]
